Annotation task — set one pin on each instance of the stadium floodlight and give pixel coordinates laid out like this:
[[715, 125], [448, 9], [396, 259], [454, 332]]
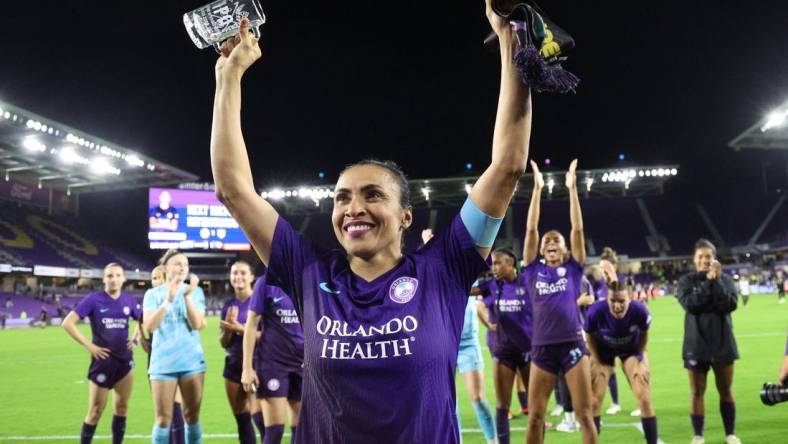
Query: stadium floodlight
[[276, 194], [68, 155], [605, 177], [775, 119], [264, 195], [426, 192], [589, 182], [468, 188], [674, 172], [134, 160], [550, 185], [101, 165], [33, 144]]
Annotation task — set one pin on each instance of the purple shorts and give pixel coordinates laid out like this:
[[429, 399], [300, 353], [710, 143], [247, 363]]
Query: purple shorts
[[555, 358], [512, 357], [608, 357], [279, 383], [233, 367], [107, 372]]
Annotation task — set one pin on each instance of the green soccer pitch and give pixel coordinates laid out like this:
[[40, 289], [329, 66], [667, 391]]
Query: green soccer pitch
[[43, 389]]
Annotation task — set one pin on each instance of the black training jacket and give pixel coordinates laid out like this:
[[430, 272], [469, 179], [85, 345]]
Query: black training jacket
[[708, 329]]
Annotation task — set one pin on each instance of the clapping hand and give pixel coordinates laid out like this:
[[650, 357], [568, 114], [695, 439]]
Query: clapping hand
[[230, 321]]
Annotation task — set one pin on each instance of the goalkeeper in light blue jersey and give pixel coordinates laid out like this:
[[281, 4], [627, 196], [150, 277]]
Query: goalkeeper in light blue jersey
[[176, 312]]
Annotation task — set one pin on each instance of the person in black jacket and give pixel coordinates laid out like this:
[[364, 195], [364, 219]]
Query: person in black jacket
[[708, 297]]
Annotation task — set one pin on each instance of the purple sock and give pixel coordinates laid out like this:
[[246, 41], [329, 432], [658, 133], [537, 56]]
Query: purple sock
[[523, 397], [257, 419], [245, 429], [502, 425], [86, 437], [697, 424], [118, 429], [177, 432], [612, 384], [273, 434], [728, 411], [598, 424], [650, 429]]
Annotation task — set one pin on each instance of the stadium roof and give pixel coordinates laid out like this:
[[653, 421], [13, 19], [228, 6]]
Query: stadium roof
[[631, 181], [37, 150], [771, 132]]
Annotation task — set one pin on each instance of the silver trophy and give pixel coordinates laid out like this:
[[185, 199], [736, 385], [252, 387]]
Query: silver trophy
[[216, 22]]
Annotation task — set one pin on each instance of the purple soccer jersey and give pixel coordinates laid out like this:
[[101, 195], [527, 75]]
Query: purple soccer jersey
[[109, 320], [510, 309], [619, 336], [379, 356], [281, 345], [236, 348], [553, 292]]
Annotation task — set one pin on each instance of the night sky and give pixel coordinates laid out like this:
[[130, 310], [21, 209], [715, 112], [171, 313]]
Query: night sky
[[662, 82]]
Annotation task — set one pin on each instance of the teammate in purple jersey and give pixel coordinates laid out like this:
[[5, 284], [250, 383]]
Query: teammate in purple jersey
[[275, 366], [606, 271], [233, 317], [510, 344], [381, 328], [111, 360], [708, 297], [618, 328], [553, 288]]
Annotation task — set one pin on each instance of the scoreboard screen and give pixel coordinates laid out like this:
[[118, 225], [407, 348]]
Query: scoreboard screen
[[191, 220]]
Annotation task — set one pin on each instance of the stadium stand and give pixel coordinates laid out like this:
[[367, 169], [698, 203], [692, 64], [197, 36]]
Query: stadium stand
[[31, 237]]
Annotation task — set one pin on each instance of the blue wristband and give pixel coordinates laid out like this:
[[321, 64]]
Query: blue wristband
[[482, 228]]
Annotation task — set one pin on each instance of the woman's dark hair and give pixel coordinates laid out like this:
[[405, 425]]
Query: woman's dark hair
[[396, 173], [242, 262], [169, 254], [705, 243], [609, 254], [617, 286], [508, 252]]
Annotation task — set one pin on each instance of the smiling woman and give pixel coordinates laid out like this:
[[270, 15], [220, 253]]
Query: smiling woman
[[381, 327]]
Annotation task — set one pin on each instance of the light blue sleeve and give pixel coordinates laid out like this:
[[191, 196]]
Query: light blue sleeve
[[150, 301], [482, 228], [198, 297]]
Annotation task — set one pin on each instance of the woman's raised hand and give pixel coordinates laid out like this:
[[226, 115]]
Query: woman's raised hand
[[238, 53]]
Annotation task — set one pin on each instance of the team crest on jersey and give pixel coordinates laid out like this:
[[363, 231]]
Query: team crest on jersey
[[561, 271], [403, 289], [100, 378], [273, 384], [126, 311], [633, 328]]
